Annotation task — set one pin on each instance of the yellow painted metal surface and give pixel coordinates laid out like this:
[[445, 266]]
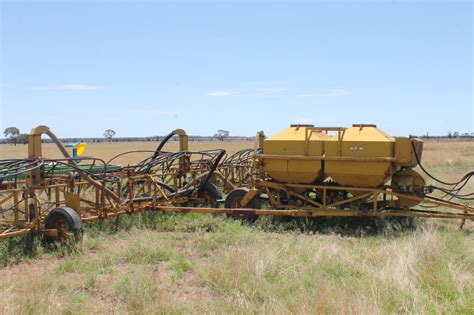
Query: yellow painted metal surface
[[359, 156], [248, 197], [296, 140], [360, 141], [34, 141], [73, 201], [183, 139]]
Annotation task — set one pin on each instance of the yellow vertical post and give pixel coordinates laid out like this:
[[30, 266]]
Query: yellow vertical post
[[184, 162], [57, 197], [15, 201], [35, 152], [260, 139], [183, 139]]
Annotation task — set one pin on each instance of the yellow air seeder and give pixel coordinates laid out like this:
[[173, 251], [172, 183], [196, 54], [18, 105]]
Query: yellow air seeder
[[302, 171], [334, 171]]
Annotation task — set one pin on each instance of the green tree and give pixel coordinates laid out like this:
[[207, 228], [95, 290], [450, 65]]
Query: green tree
[[221, 134], [109, 134], [23, 138], [12, 134]]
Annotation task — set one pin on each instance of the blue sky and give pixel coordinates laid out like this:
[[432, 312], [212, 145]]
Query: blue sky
[[146, 68]]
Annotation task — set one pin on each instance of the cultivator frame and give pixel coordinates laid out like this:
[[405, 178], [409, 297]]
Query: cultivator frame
[[364, 202], [369, 202], [182, 181], [237, 170], [32, 189]]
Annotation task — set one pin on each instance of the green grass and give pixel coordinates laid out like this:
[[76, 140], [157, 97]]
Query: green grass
[[190, 263]]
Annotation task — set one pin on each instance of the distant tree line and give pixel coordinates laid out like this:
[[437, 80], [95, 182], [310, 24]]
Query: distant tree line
[[449, 135], [13, 136]]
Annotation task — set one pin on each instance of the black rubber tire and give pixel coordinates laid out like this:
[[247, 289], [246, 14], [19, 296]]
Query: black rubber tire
[[212, 191], [71, 218], [234, 197]]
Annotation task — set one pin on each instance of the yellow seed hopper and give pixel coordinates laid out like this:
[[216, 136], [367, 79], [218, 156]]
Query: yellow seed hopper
[[361, 156]]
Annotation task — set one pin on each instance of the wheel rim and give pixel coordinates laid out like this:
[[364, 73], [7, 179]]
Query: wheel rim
[[209, 200], [62, 227], [236, 204]]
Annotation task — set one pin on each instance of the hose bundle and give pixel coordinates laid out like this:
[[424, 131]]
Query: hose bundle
[[456, 187]]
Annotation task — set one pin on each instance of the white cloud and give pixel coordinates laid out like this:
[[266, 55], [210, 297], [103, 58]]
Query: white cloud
[[68, 86], [270, 92], [262, 91], [309, 94], [221, 93], [337, 92], [275, 92], [332, 92]]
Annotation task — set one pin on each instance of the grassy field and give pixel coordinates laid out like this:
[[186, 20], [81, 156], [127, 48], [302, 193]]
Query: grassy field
[[201, 263], [108, 150]]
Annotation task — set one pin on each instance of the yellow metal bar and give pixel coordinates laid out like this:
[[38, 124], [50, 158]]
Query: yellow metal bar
[[248, 197], [355, 198], [7, 198], [7, 234], [15, 201], [310, 213], [420, 199], [325, 158]]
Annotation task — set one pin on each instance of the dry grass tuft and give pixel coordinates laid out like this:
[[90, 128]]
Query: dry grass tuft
[[243, 269], [206, 264]]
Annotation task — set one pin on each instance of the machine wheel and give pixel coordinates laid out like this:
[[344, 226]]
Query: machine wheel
[[68, 224], [211, 195], [233, 201]]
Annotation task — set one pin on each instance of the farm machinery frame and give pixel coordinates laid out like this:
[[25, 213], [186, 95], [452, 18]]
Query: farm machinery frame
[[302, 171], [54, 197]]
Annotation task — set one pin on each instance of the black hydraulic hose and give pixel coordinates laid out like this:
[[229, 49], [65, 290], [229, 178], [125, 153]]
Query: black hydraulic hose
[[160, 160], [100, 176], [162, 144], [214, 166], [455, 196], [464, 178], [18, 170], [10, 164], [129, 152], [458, 189], [238, 157], [454, 190], [451, 193]]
